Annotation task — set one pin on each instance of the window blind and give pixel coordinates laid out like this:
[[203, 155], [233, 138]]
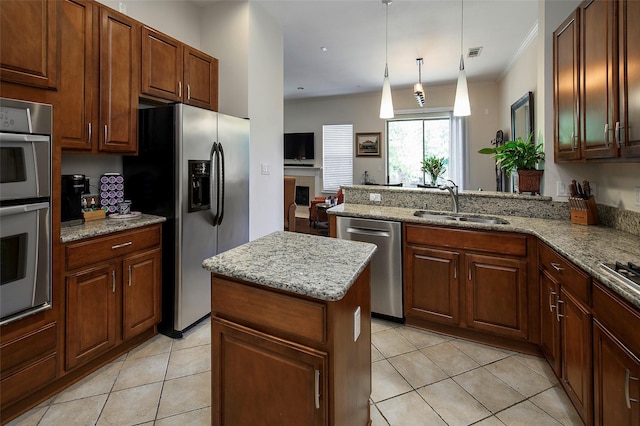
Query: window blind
[[337, 156]]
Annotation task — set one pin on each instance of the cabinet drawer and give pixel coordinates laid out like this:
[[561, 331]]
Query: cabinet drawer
[[28, 348], [564, 272], [98, 249], [620, 318], [269, 311], [28, 380], [491, 242]]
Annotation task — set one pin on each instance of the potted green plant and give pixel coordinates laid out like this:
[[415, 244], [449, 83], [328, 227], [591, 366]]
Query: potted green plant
[[521, 155], [434, 166]]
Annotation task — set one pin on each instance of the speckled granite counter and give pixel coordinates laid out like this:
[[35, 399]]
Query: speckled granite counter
[[106, 226], [318, 267], [585, 246]]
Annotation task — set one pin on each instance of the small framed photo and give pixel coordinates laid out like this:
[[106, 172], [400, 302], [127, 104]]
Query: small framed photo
[[368, 144]]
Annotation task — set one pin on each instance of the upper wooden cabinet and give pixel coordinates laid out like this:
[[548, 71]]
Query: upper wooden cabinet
[[595, 77], [28, 42], [176, 72]]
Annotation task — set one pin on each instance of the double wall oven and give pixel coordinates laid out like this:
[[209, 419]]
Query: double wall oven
[[25, 208]]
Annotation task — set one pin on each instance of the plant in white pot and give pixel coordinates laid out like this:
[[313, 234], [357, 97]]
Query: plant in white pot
[[521, 155], [435, 167]]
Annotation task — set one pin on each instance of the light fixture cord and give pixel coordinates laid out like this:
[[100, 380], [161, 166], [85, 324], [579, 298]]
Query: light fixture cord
[[386, 41], [461, 35]]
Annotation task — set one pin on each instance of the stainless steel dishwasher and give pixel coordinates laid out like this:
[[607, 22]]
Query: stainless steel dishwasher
[[386, 264]]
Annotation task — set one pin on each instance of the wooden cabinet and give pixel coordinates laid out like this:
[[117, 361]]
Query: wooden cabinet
[[566, 42], [28, 42], [176, 72], [595, 78], [282, 358], [112, 291], [616, 360], [463, 278], [566, 327], [628, 124], [119, 82]]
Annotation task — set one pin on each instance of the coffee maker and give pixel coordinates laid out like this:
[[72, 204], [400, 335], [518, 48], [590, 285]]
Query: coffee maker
[[73, 186]]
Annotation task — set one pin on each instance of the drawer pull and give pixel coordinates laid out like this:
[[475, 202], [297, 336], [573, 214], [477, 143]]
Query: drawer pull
[[557, 266], [626, 388], [90, 134], [117, 246], [317, 396], [113, 280], [129, 275], [179, 89], [558, 314], [455, 269], [551, 305], [105, 134]]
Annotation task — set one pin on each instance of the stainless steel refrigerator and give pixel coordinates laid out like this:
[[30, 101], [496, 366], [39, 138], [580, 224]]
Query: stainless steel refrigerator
[[192, 168]]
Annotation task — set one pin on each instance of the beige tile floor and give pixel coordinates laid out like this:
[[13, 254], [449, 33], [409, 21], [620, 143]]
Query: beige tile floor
[[418, 378]]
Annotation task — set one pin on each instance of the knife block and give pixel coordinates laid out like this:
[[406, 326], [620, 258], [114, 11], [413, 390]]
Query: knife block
[[583, 212]]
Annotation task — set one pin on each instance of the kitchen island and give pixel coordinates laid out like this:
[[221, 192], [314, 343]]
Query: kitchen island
[[291, 331]]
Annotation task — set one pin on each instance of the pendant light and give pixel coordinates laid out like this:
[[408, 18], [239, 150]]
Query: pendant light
[[461, 106], [386, 103], [418, 91]]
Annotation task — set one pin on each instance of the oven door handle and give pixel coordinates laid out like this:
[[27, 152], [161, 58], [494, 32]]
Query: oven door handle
[[22, 208]]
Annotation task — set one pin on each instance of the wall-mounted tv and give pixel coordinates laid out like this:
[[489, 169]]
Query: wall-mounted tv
[[299, 146]]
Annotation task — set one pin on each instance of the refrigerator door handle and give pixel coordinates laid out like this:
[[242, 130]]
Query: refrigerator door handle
[[213, 158], [220, 183]]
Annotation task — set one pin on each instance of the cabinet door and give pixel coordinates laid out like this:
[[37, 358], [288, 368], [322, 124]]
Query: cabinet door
[[575, 335], [496, 295], [549, 325], [119, 82], [432, 284], [262, 380], [629, 77], [615, 382], [76, 103], [141, 292], [200, 79], [28, 42], [566, 89], [91, 313], [597, 82], [161, 65]]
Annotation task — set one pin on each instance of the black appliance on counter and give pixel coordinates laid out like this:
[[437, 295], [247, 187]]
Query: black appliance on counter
[[73, 186]]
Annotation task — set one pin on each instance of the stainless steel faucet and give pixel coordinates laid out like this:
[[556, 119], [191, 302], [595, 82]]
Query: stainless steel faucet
[[453, 190]]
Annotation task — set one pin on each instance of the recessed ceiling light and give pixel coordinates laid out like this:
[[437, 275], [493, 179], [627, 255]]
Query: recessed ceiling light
[[324, 49]]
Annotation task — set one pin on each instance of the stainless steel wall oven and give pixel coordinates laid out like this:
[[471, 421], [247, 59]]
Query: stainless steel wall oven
[[25, 208]]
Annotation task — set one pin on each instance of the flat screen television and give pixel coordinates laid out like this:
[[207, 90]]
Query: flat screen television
[[299, 146]]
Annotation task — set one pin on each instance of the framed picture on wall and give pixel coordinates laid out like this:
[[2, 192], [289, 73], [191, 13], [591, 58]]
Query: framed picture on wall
[[368, 144]]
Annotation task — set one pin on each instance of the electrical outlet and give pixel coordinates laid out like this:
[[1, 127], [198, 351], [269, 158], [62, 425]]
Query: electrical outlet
[[356, 324], [561, 189], [637, 196], [375, 197]]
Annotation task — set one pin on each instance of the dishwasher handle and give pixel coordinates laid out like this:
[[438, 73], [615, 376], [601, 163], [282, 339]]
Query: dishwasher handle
[[365, 231]]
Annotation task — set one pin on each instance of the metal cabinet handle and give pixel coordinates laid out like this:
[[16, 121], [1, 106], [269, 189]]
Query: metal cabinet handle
[[105, 133], [469, 272], [619, 128], [179, 89], [606, 134], [551, 305], [317, 396], [188, 91], [113, 280], [626, 388], [557, 267], [117, 246], [129, 275], [455, 269], [574, 137], [90, 133], [558, 314]]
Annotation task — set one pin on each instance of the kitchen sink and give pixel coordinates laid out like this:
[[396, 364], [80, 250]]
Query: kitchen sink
[[460, 218]]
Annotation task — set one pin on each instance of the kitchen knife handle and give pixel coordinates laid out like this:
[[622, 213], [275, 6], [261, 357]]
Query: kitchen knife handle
[[628, 377]]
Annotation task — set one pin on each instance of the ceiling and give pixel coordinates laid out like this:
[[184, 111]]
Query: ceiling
[[353, 33]]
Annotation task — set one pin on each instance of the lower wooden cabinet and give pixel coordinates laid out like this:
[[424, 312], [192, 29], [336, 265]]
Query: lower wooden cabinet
[[616, 360], [468, 280], [115, 298]]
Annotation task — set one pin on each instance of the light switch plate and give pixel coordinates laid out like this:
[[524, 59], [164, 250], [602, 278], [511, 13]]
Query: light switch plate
[[374, 197], [356, 324], [266, 168], [561, 189]]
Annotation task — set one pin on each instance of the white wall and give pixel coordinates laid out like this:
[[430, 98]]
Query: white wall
[[363, 110]]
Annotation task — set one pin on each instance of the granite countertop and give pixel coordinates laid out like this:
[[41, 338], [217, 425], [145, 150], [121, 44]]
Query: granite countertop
[[585, 246], [106, 226], [319, 267]]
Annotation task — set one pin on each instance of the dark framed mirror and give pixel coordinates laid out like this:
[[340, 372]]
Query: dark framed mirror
[[522, 117]]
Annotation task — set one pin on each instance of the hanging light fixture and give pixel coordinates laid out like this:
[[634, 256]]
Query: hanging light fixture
[[461, 106], [418, 91], [386, 103]]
